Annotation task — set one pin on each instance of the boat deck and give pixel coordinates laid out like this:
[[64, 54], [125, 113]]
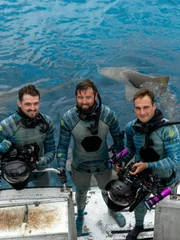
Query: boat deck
[[99, 225]]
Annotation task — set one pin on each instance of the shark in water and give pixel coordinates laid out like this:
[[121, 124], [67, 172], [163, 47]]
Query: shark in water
[[133, 80]]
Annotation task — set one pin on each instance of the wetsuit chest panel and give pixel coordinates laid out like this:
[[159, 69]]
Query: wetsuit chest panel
[[91, 144], [85, 141], [28, 136]]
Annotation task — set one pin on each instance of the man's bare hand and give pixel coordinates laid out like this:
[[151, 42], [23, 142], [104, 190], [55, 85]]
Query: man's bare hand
[[118, 168], [139, 167]]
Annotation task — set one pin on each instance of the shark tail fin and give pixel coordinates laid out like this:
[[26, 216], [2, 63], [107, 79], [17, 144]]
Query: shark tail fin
[[130, 91], [164, 79]]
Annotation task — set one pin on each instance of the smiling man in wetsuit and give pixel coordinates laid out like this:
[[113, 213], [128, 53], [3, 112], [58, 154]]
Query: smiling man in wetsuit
[[88, 123], [155, 144], [27, 127]]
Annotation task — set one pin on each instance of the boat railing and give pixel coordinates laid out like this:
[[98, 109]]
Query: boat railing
[[53, 170]]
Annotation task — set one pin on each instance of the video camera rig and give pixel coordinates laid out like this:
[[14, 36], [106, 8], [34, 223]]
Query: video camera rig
[[27, 153], [18, 162], [129, 190]]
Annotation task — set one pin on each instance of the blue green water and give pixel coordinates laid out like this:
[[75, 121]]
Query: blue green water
[[51, 42]]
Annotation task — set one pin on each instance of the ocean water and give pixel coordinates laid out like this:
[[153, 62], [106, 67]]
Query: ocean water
[[54, 44]]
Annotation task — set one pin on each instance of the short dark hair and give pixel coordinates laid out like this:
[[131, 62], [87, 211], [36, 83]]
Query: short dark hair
[[84, 85], [30, 90], [144, 92]]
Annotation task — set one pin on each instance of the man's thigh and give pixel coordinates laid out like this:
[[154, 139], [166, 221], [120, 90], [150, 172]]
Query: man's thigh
[[103, 178], [81, 179]]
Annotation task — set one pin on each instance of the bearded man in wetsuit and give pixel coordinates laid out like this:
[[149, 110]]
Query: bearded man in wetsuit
[[89, 123]]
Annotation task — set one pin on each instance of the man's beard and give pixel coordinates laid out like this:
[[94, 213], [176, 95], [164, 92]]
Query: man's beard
[[33, 116], [86, 111], [24, 115]]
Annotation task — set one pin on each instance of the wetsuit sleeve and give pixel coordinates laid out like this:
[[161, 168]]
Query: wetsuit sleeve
[[129, 144], [49, 143], [5, 131], [6, 128], [64, 140], [172, 149], [115, 130]]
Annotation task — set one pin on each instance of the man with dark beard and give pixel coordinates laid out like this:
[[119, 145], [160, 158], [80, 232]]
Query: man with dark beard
[[27, 127], [88, 123]]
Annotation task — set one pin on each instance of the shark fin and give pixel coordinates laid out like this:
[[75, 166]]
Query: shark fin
[[164, 80], [130, 91]]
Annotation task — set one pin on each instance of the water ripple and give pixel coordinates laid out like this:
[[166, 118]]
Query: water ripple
[[66, 39]]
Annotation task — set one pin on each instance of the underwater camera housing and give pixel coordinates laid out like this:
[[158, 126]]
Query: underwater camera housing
[[18, 163], [129, 190]]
